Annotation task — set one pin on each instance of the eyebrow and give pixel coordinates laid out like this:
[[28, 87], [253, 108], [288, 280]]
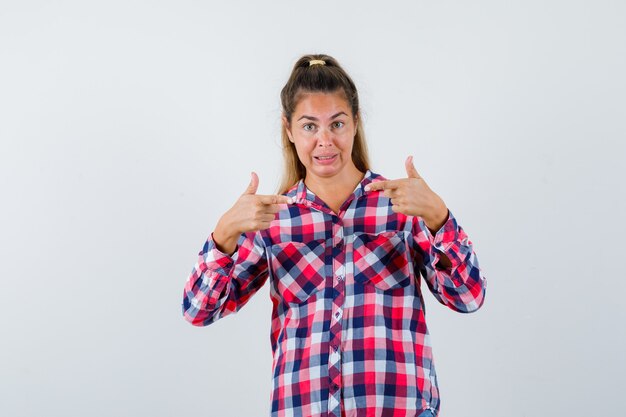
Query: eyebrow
[[315, 118]]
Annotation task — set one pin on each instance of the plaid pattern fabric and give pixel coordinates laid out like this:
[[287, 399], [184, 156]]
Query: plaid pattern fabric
[[348, 330]]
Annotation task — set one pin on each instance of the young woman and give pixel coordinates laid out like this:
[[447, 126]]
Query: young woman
[[345, 251]]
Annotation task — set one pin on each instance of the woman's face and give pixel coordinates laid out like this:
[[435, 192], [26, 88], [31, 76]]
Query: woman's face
[[322, 130]]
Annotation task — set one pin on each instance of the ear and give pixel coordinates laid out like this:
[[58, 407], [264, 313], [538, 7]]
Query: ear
[[286, 126]]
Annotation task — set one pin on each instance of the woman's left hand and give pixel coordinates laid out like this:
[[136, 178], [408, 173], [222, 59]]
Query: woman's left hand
[[413, 197]]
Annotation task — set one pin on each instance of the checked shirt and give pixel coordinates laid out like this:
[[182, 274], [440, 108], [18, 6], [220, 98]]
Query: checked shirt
[[348, 329]]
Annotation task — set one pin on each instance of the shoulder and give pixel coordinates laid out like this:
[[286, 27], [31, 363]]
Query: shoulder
[[377, 176], [292, 191]]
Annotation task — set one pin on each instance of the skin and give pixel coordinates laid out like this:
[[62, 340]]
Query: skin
[[323, 124]]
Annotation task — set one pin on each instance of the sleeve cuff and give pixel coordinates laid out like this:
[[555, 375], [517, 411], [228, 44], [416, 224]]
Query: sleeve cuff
[[215, 259], [447, 234]]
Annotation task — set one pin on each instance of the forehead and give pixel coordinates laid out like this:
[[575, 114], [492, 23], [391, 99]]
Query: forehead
[[322, 105]]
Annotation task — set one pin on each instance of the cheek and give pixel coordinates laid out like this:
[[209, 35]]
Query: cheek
[[306, 145], [303, 149], [346, 143]]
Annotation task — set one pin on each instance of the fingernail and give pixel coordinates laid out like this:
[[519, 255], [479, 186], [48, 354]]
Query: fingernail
[[290, 200], [367, 188]]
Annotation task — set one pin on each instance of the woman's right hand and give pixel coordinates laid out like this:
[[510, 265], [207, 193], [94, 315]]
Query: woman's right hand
[[251, 212]]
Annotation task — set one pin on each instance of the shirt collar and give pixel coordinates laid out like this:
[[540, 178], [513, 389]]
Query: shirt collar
[[305, 196]]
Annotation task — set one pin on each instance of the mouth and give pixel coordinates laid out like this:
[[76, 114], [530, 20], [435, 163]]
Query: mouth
[[325, 157]]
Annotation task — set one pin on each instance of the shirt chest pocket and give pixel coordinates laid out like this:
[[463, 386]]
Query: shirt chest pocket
[[381, 260], [298, 269]]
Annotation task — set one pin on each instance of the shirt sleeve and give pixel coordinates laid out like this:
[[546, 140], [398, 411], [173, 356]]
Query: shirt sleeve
[[219, 284], [462, 285]]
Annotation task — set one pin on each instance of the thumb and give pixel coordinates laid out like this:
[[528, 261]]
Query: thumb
[[254, 184], [411, 172]]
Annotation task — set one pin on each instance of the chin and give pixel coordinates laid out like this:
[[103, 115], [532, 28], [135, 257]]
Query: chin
[[327, 171]]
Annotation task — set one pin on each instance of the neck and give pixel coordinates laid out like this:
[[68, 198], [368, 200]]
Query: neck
[[347, 180]]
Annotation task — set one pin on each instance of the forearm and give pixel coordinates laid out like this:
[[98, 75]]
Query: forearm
[[435, 223], [219, 284], [451, 267], [206, 286]]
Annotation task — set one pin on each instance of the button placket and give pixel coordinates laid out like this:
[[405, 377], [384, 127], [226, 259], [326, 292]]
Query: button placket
[[336, 325], [338, 236], [340, 273]]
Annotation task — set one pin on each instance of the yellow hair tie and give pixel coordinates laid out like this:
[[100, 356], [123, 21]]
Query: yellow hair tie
[[316, 61]]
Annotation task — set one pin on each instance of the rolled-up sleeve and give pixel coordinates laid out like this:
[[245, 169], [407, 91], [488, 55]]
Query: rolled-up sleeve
[[219, 284], [461, 286]]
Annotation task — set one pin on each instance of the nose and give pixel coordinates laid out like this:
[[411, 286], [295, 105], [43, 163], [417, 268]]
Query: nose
[[325, 138]]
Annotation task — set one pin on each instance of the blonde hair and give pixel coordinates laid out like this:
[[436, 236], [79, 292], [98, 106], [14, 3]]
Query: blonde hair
[[328, 78]]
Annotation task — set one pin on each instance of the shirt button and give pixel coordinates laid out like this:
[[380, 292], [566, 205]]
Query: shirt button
[[334, 386], [337, 314], [339, 243], [339, 277], [335, 348]]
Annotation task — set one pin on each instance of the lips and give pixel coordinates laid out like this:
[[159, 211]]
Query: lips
[[325, 157]]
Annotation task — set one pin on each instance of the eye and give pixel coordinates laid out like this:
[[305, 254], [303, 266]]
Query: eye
[[306, 127], [338, 124]]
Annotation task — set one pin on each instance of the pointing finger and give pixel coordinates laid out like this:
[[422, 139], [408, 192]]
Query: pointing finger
[[375, 186], [276, 199], [382, 185]]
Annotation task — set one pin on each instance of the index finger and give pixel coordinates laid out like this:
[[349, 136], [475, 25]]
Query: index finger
[[275, 199], [382, 185]]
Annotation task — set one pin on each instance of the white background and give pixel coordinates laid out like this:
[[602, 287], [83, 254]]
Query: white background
[[128, 127]]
